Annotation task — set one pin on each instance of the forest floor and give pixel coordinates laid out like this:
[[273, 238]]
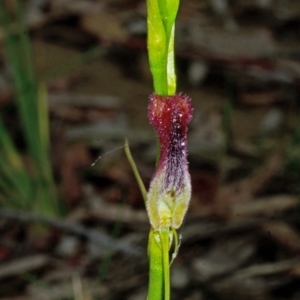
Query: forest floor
[[240, 64]]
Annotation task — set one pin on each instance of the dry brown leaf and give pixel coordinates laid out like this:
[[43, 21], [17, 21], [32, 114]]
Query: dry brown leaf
[[74, 157], [120, 213], [233, 45], [263, 98], [231, 200], [296, 270], [105, 26], [266, 206], [245, 189], [23, 265], [284, 234], [266, 269]]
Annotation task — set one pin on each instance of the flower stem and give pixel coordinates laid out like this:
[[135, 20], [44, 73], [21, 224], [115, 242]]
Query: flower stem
[[165, 240], [156, 272], [135, 170]]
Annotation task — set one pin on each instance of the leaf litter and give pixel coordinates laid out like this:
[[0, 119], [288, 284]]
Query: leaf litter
[[241, 235]]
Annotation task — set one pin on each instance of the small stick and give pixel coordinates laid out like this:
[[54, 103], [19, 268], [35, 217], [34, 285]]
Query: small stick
[[92, 235]]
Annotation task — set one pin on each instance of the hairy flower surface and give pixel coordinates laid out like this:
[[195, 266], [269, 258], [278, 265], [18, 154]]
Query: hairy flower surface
[[170, 189]]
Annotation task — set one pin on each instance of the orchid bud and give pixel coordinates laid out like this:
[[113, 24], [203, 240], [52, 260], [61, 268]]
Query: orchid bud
[[170, 189]]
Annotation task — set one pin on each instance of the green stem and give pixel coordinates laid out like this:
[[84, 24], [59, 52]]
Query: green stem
[[161, 31], [156, 273], [165, 240], [157, 47]]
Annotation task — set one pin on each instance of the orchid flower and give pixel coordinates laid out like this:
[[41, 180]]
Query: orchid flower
[[170, 189]]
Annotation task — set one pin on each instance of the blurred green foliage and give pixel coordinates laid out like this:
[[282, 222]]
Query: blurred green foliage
[[27, 186]]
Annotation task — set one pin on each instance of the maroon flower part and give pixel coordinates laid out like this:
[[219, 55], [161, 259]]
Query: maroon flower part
[[170, 189]]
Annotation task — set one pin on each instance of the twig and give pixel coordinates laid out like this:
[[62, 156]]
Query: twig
[[267, 269], [94, 236], [203, 230], [23, 265]]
